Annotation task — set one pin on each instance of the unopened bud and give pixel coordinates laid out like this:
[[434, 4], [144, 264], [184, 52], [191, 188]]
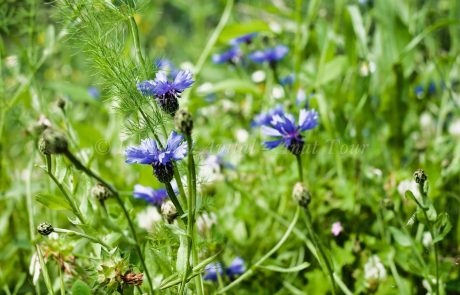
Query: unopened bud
[[169, 211], [45, 228], [134, 279], [101, 192], [52, 142], [301, 194], [420, 177], [184, 122], [61, 103]]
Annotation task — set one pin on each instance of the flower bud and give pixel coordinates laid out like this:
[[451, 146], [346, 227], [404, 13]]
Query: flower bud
[[184, 122], [45, 228], [164, 173], [169, 211], [301, 194], [420, 177], [100, 192], [52, 142], [134, 279], [387, 203]]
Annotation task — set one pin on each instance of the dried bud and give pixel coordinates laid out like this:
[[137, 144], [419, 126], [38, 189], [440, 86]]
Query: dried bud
[[169, 211], [134, 279], [101, 192], [420, 177], [52, 142], [301, 195], [184, 122], [61, 103], [45, 228]]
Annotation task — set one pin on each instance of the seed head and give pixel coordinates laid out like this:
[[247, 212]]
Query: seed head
[[184, 122], [134, 279], [420, 177], [301, 195], [52, 142], [45, 228]]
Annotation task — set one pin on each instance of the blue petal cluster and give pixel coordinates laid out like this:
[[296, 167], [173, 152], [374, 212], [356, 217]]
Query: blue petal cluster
[[161, 159], [154, 197], [233, 55], [270, 55], [235, 268], [266, 117], [244, 39], [285, 131]]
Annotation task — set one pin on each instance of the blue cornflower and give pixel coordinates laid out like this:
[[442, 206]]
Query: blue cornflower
[[164, 64], [165, 91], [270, 55], [286, 132], [236, 267], [94, 92], [243, 39], [288, 80], [211, 271], [154, 197], [160, 159], [233, 55], [266, 117], [431, 87]]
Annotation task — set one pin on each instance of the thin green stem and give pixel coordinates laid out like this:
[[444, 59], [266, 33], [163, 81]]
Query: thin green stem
[[91, 238], [46, 277], [137, 44], [71, 202], [299, 166], [251, 270], [115, 193], [320, 249]]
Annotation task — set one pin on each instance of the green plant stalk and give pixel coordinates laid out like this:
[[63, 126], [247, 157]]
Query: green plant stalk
[[299, 166], [320, 249], [251, 270], [137, 45], [61, 279], [74, 207], [91, 238], [115, 193], [46, 277], [430, 228]]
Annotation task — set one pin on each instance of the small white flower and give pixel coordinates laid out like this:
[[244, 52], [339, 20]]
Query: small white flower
[[277, 92], [147, 218], [374, 269], [454, 128], [409, 185], [242, 135], [258, 76]]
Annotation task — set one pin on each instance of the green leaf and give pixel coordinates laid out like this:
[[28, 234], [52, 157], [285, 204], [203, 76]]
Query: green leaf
[[400, 237], [81, 288], [53, 202], [442, 227], [358, 26], [235, 30], [331, 70], [181, 262], [276, 268], [234, 85]]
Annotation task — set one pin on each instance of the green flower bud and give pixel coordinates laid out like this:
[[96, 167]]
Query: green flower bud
[[100, 192], [184, 122], [301, 195], [45, 228], [52, 142]]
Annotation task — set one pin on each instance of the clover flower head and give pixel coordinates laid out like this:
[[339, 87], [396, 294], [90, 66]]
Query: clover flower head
[[266, 117], [167, 91], [247, 38], [270, 55], [232, 56], [285, 131], [160, 159], [336, 228]]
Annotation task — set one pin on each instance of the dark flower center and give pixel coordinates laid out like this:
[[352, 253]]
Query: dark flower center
[[164, 173], [168, 102]]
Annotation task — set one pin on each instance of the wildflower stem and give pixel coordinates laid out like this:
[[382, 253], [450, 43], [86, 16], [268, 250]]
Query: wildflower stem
[[320, 249], [299, 166], [251, 270], [72, 204], [72, 232], [137, 46], [115, 193], [172, 196]]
